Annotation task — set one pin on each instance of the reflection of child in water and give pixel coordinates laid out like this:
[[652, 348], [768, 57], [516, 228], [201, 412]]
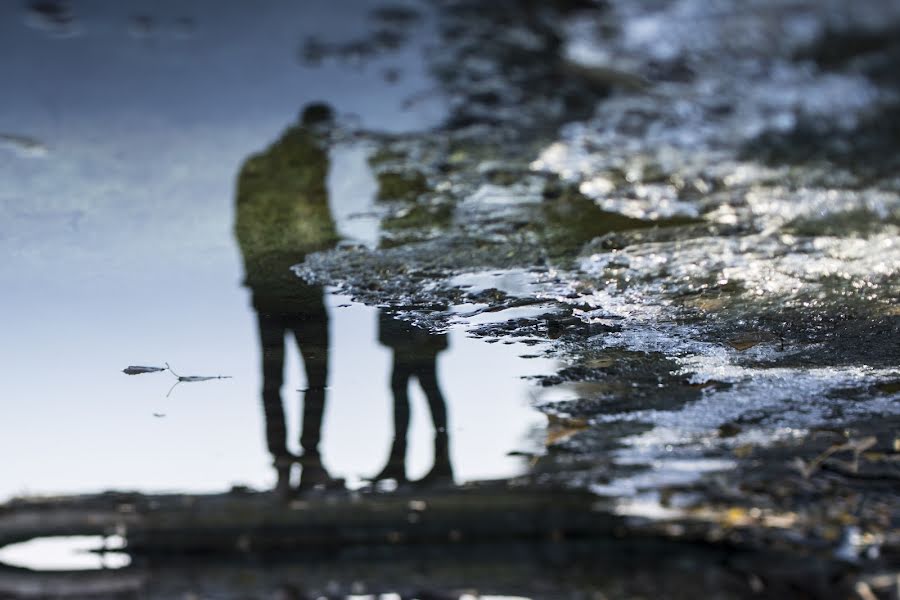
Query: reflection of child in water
[[415, 355], [282, 214]]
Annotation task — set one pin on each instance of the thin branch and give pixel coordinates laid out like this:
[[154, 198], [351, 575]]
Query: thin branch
[[172, 388]]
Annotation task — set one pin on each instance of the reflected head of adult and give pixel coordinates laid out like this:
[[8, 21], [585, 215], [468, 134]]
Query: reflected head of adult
[[317, 115]]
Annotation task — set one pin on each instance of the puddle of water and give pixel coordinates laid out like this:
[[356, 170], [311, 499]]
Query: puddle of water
[[125, 254], [66, 553], [170, 290], [149, 442]]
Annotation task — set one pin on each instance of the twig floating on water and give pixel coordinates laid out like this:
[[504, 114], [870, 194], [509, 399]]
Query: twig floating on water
[[137, 370], [191, 378]]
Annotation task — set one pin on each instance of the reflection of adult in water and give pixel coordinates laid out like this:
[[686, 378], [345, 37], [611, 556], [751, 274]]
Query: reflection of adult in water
[[283, 214], [415, 355]]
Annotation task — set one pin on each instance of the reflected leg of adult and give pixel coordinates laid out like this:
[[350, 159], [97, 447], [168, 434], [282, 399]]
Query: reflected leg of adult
[[311, 332], [271, 337], [395, 468], [442, 470]]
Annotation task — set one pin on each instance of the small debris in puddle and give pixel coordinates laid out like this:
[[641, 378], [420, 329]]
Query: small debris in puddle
[[136, 370], [139, 370], [193, 378]]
